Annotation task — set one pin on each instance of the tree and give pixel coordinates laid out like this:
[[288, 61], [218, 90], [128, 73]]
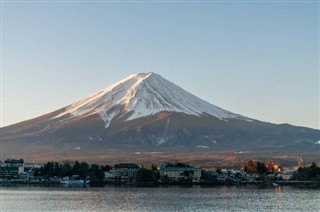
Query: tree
[[219, 171], [47, 170], [146, 175], [208, 177], [261, 168], [36, 172], [255, 167], [182, 165], [270, 166], [105, 168], [154, 167], [188, 174], [66, 169], [57, 171], [95, 172], [309, 173]]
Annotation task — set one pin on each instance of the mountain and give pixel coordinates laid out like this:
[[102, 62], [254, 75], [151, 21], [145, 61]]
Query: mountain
[[147, 116]]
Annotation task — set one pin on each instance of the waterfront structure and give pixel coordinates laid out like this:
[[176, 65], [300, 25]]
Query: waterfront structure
[[109, 176], [124, 171], [11, 169], [177, 173], [252, 177], [222, 177], [287, 174]]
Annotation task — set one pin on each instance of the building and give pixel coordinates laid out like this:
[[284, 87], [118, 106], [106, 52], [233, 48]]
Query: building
[[177, 173], [11, 169], [252, 177], [124, 172], [109, 176], [222, 177], [287, 174], [32, 165]]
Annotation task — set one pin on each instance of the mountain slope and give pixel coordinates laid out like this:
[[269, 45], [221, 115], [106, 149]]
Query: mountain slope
[[143, 95], [145, 112]]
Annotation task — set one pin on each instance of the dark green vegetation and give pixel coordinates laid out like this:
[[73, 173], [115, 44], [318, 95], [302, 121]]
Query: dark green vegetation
[[308, 173], [147, 177], [96, 172], [82, 169]]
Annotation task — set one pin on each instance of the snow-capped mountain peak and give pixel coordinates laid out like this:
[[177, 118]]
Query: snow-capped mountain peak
[[140, 95], [128, 109]]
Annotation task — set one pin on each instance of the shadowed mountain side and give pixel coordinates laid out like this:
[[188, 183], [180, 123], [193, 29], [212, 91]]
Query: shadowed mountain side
[[147, 113], [163, 132]]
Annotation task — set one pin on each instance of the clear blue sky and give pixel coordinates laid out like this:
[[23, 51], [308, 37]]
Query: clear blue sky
[[258, 59]]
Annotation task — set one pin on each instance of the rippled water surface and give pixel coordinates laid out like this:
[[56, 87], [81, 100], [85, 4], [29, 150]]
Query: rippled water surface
[[248, 198]]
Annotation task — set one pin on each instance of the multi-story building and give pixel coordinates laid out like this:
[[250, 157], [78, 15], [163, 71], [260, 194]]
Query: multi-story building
[[176, 173], [11, 168], [124, 171]]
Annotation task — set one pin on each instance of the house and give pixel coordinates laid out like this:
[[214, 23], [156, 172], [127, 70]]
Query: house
[[222, 177], [252, 177], [176, 173], [287, 174]]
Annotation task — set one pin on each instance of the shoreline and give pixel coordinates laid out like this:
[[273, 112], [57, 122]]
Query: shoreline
[[299, 184]]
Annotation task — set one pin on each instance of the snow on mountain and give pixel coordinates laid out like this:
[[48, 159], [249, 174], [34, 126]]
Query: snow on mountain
[[140, 95]]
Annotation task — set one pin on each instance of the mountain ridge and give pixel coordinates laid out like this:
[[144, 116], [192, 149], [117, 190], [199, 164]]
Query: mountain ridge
[[145, 112], [141, 95]]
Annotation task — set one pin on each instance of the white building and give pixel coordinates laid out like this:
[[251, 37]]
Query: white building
[[11, 168], [124, 171], [177, 173]]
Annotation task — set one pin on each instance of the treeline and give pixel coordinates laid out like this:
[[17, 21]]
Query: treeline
[[178, 165], [308, 173], [67, 168], [147, 176], [96, 172], [311, 172]]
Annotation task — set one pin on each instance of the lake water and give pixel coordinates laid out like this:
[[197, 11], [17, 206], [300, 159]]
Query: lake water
[[224, 198]]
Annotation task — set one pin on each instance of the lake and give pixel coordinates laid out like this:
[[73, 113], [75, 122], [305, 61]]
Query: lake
[[110, 198]]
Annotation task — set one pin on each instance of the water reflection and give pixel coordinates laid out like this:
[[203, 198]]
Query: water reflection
[[224, 198]]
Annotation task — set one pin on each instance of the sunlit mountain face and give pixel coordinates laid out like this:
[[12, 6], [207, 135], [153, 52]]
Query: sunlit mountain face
[[147, 116]]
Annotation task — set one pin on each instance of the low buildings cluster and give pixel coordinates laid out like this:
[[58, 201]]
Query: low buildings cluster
[[182, 173], [165, 173], [17, 170]]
